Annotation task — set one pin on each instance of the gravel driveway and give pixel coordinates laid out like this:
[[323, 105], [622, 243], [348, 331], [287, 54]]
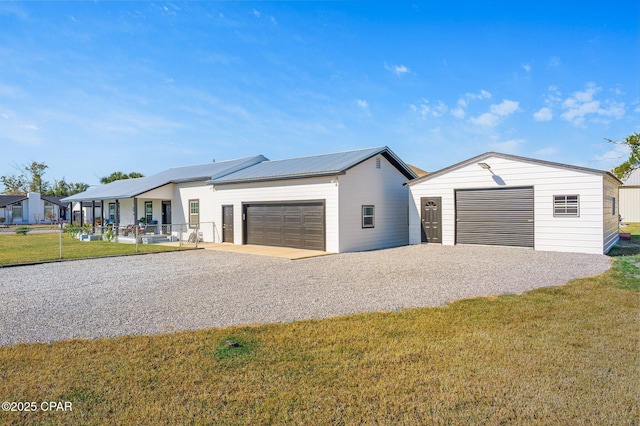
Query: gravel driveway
[[203, 288]]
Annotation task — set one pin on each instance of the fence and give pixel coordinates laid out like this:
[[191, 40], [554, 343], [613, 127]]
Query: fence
[[143, 233], [71, 238]]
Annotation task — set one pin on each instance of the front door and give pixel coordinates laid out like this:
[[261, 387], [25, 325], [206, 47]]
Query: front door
[[431, 217], [166, 217], [227, 224]]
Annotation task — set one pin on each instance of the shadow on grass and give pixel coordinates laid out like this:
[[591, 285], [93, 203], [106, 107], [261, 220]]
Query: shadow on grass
[[626, 247]]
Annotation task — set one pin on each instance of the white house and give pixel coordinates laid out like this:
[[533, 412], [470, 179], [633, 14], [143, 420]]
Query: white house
[[500, 199], [154, 198], [630, 197], [31, 208], [347, 201]]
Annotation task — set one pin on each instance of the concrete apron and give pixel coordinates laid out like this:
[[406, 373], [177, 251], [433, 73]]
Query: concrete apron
[[286, 252]]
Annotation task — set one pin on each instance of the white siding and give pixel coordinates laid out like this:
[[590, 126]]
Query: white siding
[[180, 209], [630, 203], [579, 234], [382, 188], [321, 188]]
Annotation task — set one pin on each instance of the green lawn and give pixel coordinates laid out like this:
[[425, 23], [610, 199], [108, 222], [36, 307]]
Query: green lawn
[[38, 247], [562, 355]]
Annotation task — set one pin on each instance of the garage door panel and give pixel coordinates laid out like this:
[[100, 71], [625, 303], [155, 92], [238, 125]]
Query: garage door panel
[[495, 217], [286, 225]]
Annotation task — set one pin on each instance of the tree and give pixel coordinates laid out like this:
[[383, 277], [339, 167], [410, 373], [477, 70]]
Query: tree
[[119, 176], [35, 171], [633, 162], [62, 188], [31, 179], [14, 185]]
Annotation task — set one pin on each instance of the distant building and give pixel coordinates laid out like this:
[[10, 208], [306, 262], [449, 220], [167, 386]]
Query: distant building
[[630, 197], [31, 208]]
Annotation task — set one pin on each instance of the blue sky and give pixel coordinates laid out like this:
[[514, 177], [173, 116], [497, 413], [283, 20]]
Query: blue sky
[[94, 87]]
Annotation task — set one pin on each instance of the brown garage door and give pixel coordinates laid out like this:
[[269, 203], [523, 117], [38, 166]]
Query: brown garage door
[[298, 225], [501, 217]]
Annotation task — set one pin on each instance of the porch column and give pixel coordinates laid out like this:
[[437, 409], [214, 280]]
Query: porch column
[[102, 214], [93, 216], [135, 211], [70, 210], [116, 219], [81, 214]]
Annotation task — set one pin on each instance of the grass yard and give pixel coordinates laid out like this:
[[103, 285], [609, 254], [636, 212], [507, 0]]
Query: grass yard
[[38, 247], [562, 355], [629, 247]]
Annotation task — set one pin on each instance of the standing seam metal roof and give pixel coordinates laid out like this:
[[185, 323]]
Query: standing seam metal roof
[[316, 165], [128, 188]]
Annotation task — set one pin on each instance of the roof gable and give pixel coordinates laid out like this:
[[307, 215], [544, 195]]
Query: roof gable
[[312, 166], [487, 155], [6, 200]]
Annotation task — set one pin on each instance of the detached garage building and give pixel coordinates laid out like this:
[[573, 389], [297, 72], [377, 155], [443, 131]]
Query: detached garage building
[[506, 200]]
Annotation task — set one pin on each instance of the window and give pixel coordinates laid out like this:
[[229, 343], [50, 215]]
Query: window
[[148, 211], [368, 216], [17, 212], [194, 213], [613, 206], [48, 211], [566, 205], [112, 212]]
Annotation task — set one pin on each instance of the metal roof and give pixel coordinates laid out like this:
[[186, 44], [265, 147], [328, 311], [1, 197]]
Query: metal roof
[[129, 188], [514, 158], [312, 166], [633, 179]]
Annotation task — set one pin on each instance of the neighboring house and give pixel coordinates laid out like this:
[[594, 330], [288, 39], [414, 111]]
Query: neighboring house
[[500, 199], [630, 197], [338, 202], [31, 208]]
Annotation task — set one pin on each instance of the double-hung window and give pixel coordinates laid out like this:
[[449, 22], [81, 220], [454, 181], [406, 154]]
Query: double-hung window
[[566, 205], [194, 213], [368, 217]]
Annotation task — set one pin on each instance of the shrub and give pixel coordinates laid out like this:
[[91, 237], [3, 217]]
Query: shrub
[[22, 230]]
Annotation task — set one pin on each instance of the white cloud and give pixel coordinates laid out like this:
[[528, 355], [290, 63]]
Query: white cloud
[[29, 127], [486, 119], [397, 69], [424, 110], [458, 112], [582, 105], [463, 102], [506, 107], [256, 13], [543, 114], [362, 103], [527, 67], [554, 62], [492, 118]]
